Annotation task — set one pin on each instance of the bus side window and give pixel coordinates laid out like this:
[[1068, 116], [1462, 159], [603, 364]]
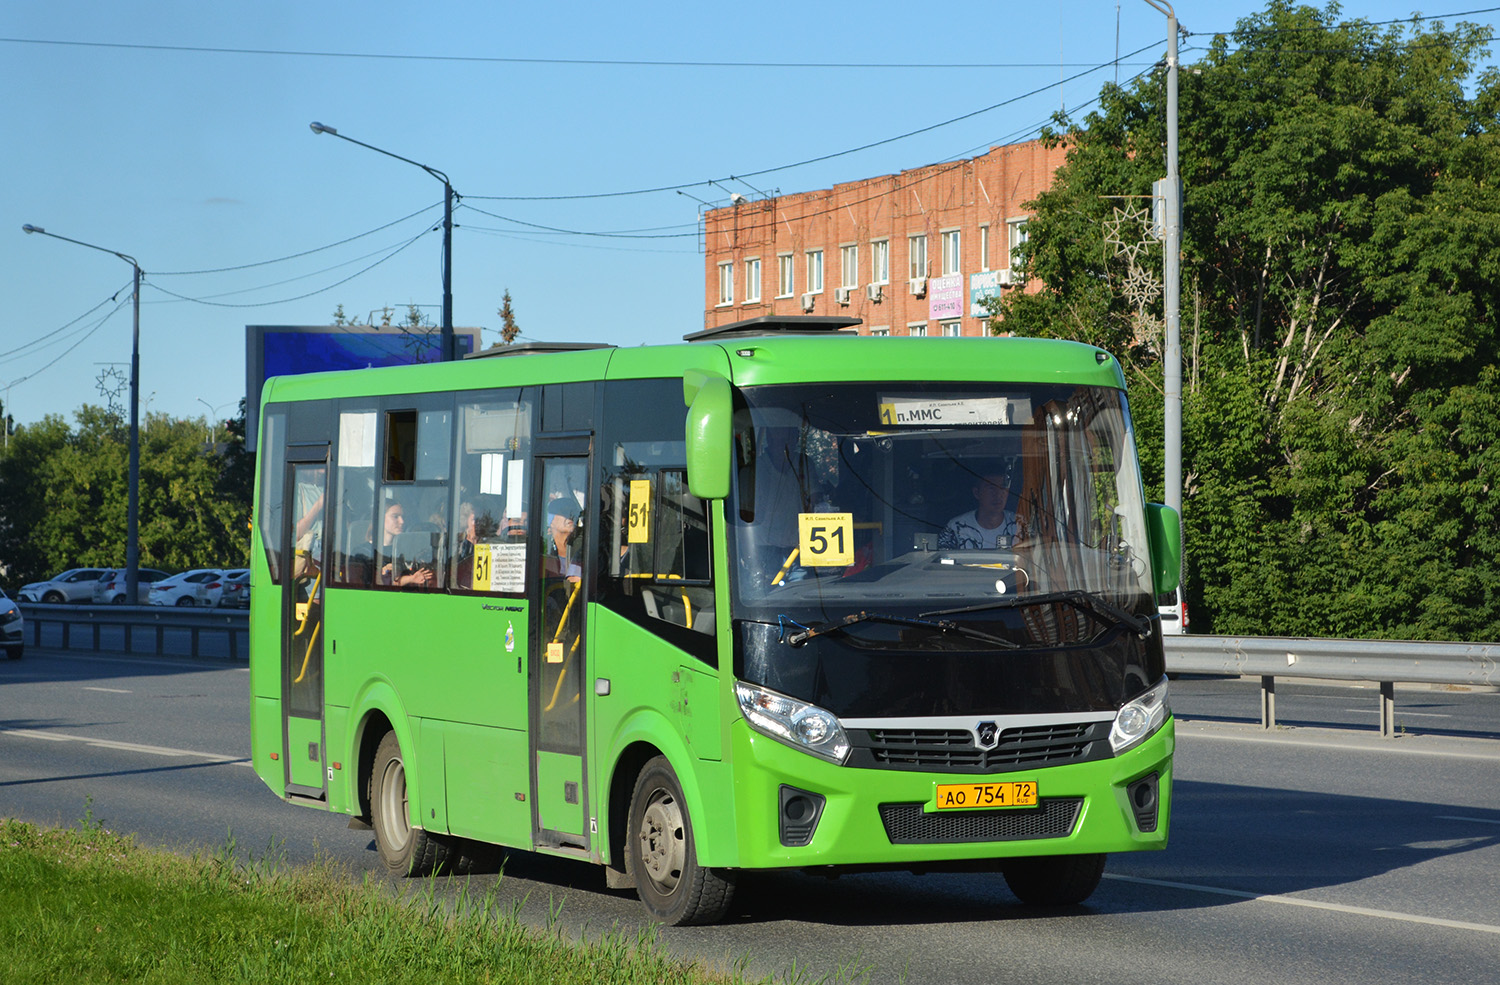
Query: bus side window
[[486, 546]]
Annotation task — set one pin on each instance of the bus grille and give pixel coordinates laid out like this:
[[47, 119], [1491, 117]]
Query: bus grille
[[954, 751], [907, 824]]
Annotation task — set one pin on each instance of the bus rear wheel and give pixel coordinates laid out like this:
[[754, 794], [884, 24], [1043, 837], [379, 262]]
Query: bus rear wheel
[[405, 850], [661, 854], [1054, 880]]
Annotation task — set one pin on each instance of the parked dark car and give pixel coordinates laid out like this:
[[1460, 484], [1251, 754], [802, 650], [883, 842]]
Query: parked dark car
[[236, 593]]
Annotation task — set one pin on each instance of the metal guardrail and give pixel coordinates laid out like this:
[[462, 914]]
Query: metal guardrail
[[119, 628], [172, 631], [1386, 662]]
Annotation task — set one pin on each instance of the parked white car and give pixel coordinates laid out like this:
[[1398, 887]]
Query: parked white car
[[110, 589], [12, 628], [73, 585], [188, 588]]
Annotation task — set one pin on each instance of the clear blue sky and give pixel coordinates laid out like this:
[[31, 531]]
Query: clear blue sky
[[177, 132]]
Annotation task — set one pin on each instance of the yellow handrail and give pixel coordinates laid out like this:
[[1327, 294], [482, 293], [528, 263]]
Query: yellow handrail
[[307, 654]]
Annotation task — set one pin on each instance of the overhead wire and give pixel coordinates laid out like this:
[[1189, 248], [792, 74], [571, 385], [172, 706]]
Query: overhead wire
[[82, 339], [300, 297], [54, 335]]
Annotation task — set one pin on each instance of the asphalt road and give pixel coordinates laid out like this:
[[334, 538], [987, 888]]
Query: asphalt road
[[1306, 854]]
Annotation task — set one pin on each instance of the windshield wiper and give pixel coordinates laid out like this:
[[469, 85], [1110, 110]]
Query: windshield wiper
[[1093, 604], [942, 625]]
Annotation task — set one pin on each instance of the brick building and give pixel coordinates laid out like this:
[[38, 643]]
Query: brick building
[[910, 253]]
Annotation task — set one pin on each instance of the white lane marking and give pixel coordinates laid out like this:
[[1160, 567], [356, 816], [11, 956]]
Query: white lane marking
[[109, 690], [1399, 713], [1360, 911], [212, 757], [1389, 747], [1475, 820]]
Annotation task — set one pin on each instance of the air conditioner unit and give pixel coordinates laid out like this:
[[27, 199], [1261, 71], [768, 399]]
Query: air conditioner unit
[[1009, 277], [807, 301], [874, 292], [841, 295], [918, 287]]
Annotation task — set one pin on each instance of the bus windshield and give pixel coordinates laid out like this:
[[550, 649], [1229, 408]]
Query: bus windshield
[[938, 515]]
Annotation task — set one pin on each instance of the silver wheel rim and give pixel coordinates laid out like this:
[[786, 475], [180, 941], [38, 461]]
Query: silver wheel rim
[[394, 822], [663, 848]]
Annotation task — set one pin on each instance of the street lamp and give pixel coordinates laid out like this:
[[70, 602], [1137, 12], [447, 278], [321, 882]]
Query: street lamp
[[449, 351], [132, 511], [213, 419]]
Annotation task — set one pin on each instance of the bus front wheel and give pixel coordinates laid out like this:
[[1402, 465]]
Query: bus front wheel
[[1054, 880], [662, 856], [403, 849]]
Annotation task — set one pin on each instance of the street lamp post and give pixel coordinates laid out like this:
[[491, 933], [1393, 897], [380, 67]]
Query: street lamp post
[[1172, 275], [132, 510], [449, 348]]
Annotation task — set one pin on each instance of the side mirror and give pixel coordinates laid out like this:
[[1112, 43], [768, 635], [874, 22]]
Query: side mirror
[[710, 431], [1164, 527]]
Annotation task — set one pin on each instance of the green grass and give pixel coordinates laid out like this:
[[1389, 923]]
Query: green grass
[[86, 905]]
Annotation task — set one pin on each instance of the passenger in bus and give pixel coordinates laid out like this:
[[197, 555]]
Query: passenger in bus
[[992, 522], [409, 576], [562, 525]]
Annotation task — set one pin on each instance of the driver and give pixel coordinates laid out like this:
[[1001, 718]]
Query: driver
[[992, 522]]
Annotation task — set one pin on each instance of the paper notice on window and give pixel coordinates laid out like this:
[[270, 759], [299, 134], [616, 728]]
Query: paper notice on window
[[492, 474], [357, 440], [500, 567], [515, 485], [929, 412]]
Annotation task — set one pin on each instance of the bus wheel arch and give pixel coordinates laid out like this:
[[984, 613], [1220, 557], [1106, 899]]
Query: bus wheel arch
[[661, 852], [628, 767]]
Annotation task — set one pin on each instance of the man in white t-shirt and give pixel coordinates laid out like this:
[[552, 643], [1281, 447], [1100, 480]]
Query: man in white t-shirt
[[991, 524]]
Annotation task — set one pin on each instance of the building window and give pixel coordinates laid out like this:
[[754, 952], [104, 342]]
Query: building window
[[1016, 230], [916, 248], [785, 280], [984, 247], [880, 262], [951, 259], [752, 280], [949, 329], [726, 283], [917, 330], [881, 331], [815, 271], [849, 266]]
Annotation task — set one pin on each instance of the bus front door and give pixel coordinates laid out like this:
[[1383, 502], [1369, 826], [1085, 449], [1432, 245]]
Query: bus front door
[[558, 655], [302, 622]]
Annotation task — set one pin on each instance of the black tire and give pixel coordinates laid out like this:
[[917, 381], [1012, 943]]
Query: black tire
[[661, 854], [185, 600], [405, 850], [468, 856], [15, 652], [118, 599], [53, 598], [1054, 880]]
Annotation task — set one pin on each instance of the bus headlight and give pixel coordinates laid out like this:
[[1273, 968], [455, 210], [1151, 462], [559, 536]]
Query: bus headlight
[[1140, 719], [797, 723]]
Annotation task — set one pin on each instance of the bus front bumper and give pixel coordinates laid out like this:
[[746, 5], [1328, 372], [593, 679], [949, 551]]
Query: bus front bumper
[[793, 809]]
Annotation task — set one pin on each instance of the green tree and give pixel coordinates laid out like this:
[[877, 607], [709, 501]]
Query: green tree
[[1340, 244], [63, 495], [508, 327]]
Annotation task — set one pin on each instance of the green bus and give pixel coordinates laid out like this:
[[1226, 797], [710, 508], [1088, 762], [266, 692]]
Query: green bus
[[777, 597]]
